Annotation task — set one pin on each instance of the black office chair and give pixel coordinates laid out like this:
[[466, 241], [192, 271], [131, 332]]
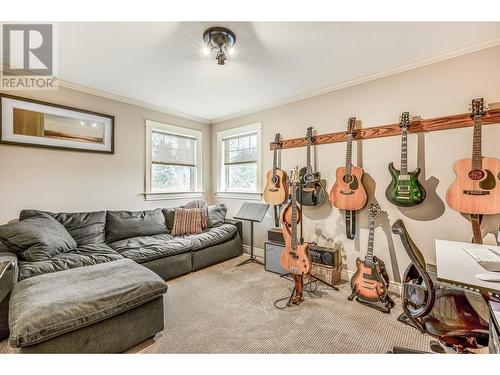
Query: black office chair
[[440, 310]]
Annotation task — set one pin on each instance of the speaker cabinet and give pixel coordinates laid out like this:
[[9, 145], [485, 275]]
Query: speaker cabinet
[[272, 255]]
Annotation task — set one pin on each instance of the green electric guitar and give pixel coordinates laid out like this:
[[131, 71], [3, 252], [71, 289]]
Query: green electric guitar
[[405, 189]]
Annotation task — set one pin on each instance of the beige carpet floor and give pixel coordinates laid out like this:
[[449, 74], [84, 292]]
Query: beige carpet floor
[[229, 309]]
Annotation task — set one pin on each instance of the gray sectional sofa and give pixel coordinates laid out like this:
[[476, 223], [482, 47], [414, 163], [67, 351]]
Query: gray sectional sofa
[[101, 295]]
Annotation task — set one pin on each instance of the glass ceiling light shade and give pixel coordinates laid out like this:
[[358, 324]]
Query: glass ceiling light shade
[[219, 42]]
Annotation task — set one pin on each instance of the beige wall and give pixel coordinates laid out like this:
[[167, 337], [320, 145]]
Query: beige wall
[[72, 181], [435, 90]]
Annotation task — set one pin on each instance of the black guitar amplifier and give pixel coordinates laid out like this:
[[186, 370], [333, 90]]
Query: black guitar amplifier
[[324, 255]]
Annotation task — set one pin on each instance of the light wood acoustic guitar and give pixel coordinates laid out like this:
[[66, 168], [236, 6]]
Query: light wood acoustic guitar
[[276, 190], [370, 282], [348, 192], [476, 189], [294, 258]]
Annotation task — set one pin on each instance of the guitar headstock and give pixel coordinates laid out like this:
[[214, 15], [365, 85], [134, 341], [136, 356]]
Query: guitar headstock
[[373, 210], [278, 141], [351, 125], [477, 108], [294, 176], [404, 120], [309, 135]]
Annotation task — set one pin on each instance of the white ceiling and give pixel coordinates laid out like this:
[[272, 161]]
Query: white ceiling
[[162, 63]]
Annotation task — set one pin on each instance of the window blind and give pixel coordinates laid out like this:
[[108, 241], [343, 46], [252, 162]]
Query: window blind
[[240, 149], [172, 149]]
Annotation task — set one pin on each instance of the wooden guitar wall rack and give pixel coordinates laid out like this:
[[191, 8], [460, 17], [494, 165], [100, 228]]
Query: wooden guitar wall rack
[[417, 126]]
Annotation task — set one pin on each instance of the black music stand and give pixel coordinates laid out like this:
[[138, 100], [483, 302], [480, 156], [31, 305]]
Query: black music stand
[[254, 213]]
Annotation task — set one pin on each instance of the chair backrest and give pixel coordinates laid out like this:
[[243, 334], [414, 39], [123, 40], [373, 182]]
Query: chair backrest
[[416, 279]]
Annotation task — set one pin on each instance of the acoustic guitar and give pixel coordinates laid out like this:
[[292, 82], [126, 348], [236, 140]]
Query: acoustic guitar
[[276, 190], [312, 192], [348, 192], [370, 282], [404, 190], [294, 258], [475, 190]]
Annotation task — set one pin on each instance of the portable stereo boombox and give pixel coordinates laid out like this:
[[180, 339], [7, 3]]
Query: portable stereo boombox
[[324, 255]]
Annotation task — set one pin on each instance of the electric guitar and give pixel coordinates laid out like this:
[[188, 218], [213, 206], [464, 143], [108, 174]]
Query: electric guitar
[[276, 190], [294, 258], [348, 192], [312, 192], [370, 282], [475, 190], [404, 190]]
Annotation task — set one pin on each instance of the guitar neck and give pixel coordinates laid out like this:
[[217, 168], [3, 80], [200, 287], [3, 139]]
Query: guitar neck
[[371, 237], [309, 166], [294, 221], [275, 163], [404, 151], [348, 157], [477, 144]]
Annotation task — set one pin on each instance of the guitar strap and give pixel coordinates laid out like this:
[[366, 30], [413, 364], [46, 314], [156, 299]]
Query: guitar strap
[[350, 224], [476, 220], [276, 216]]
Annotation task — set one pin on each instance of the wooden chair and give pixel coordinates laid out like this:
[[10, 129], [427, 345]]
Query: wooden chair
[[440, 310]]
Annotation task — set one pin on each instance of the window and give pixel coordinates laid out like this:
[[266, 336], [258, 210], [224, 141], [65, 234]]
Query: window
[[239, 161], [173, 160]]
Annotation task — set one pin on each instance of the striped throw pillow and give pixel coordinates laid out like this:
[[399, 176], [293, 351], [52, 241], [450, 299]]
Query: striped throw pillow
[[187, 221]]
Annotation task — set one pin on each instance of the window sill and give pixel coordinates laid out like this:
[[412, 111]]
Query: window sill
[[239, 195], [173, 195]]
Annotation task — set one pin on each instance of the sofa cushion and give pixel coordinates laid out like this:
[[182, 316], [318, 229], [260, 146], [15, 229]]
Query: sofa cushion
[[84, 227], [147, 248], [36, 238], [85, 255], [216, 215], [53, 304], [127, 224], [212, 236]]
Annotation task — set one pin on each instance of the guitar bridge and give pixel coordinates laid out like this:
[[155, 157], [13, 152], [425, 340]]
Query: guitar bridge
[[346, 192], [476, 192]]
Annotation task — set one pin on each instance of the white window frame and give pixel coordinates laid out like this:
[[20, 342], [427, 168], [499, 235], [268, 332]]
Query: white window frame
[[198, 177], [221, 191]]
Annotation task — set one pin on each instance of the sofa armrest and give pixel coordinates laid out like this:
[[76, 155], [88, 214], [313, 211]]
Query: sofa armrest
[[238, 224], [8, 273]]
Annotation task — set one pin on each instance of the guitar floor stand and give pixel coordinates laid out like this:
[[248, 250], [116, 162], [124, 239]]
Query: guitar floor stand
[[384, 306]]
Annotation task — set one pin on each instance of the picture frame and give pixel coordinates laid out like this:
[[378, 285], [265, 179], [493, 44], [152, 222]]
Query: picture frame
[[34, 123]]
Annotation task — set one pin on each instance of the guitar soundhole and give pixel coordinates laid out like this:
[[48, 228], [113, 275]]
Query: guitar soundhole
[[348, 178], [275, 180], [476, 174]]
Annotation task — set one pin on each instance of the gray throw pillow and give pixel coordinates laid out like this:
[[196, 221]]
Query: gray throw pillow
[[128, 224], [37, 238], [216, 215], [169, 214]]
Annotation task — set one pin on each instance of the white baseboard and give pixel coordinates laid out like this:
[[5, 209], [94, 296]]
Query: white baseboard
[[257, 251], [394, 287]]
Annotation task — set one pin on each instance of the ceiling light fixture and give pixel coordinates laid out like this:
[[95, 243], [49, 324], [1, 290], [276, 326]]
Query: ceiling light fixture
[[219, 41]]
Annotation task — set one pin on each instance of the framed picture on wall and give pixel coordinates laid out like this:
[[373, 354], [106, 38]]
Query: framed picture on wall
[[29, 122]]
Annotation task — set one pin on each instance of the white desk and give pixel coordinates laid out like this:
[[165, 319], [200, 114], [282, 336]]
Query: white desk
[[455, 266]]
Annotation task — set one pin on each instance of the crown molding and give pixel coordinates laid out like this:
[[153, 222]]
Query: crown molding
[[126, 99], [371, 77]]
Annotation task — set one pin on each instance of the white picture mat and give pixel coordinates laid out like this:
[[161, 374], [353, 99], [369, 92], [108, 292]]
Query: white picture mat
[[8, 105]]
